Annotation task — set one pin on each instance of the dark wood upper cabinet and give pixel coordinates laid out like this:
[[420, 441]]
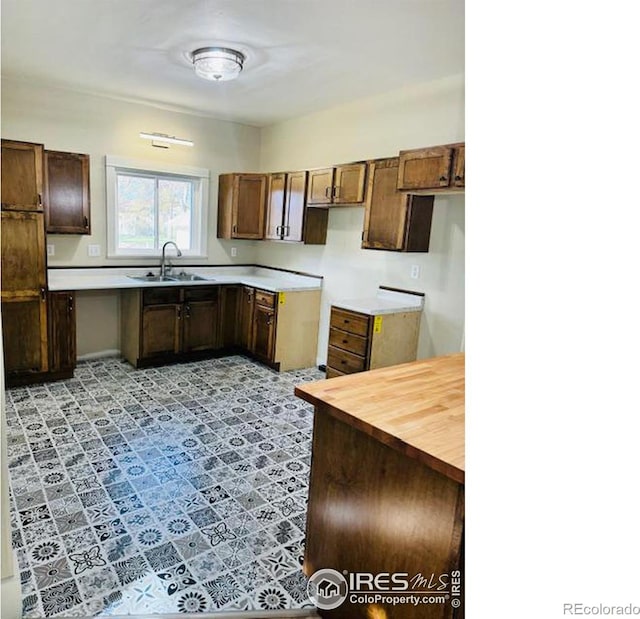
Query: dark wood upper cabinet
[[66, 193], [22, 176], [342, 184], [436, 168], [287, 217], [458, 167], [241, 206], [394, 220], [275, 207]]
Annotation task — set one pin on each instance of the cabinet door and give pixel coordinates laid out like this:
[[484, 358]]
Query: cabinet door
[[425, 168], [23, 253], [349, 184], [161, 330], [24, 334], [320, 186], [249, 196], [22, 176], [275, 207], [386, 207], [294, 206], [245, 316], [458, 167], [229, 331], [264, 329], [66, 192], [200, 329], [62, 331]]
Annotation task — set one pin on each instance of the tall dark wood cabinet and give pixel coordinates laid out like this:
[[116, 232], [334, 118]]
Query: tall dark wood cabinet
[[66, 193], [24, 273]]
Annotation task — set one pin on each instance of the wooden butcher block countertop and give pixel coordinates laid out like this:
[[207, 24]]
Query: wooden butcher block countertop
[[416, 408]]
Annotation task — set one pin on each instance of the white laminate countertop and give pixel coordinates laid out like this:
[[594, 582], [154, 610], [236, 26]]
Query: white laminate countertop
[[384, 302], [114, 278]]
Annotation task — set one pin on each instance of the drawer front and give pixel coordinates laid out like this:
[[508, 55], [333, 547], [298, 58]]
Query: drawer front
[[201, 293], [333, 373], [352, 322], [344, 361], [268, 299], [156, 296], [348, 341]]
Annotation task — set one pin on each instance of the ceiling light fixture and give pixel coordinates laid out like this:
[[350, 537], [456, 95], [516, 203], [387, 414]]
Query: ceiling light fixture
[[163, 139], [218, 64]]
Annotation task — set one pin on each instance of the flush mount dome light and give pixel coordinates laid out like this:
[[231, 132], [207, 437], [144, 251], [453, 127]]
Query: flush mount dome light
[[218, 64]]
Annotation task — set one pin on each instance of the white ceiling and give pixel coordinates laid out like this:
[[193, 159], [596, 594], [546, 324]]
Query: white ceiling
[[302, 55]]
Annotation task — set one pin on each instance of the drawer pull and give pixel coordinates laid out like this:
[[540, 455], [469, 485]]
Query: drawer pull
[[343, 362], [346, 322], [344, 341]]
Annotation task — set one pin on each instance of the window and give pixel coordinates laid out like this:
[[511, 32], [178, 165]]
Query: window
[[149, 204]]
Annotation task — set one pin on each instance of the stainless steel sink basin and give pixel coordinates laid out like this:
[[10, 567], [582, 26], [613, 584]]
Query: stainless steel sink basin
[[188, 277], [152, 278], [178, 277]]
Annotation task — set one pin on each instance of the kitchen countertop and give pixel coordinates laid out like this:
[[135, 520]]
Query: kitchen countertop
[[272, 280], [416, 408], [384, 302]]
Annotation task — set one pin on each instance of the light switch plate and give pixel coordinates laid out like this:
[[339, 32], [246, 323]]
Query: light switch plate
[[93, 250], [51, 250], [234, 252], [415, 271]]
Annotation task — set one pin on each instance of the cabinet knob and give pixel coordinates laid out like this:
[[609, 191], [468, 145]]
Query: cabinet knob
[[443, 178], [86, 222], [346, 322], [458, 178], [43, 294], [344, 341], [343, 362]]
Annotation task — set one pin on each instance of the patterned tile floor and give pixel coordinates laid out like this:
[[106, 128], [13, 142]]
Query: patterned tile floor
[[181, 488]]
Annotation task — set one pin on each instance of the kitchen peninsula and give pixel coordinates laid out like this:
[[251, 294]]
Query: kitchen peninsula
[[386, 492]]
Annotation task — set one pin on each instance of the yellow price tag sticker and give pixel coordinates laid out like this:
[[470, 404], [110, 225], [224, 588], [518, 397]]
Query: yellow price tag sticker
[[281, 298], [377, 324]]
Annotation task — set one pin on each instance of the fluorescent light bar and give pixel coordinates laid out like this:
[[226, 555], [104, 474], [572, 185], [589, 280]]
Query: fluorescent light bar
[[163, 137]]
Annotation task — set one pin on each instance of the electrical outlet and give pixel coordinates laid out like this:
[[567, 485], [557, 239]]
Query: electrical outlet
[[93, 250], [51, 250], [234, 252], [415, 271]]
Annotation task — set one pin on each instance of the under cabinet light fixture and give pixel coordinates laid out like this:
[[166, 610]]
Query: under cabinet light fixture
[[163, 139]]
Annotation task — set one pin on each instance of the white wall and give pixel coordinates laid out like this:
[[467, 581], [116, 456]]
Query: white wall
[[420, 115], [83, 123]]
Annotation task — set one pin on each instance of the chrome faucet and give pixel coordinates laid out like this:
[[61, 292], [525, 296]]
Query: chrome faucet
[[163, 265]]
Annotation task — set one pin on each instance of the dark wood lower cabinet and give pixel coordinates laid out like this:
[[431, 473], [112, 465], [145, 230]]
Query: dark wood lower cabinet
[[160, 330], [62, 333], [264, 332], [24, 336], [200, 326], [245, 317]]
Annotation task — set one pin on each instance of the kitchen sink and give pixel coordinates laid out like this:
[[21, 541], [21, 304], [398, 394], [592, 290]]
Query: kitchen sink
[[152, 278], [188, 277], [179, 277]]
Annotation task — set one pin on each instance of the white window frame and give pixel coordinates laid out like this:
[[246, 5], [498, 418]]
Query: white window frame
[[199, 227]]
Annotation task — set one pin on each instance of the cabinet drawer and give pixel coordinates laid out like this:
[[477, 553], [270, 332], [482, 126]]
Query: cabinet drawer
[[155, 296], [333, 373], [344, 361], [348, 341], [268, 299], [201, 293], [349, 321]]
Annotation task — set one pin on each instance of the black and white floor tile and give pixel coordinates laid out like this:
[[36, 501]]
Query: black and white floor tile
[[173, 489]]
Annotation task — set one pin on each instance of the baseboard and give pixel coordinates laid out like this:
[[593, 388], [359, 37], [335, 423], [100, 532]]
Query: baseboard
[[99, 355]]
